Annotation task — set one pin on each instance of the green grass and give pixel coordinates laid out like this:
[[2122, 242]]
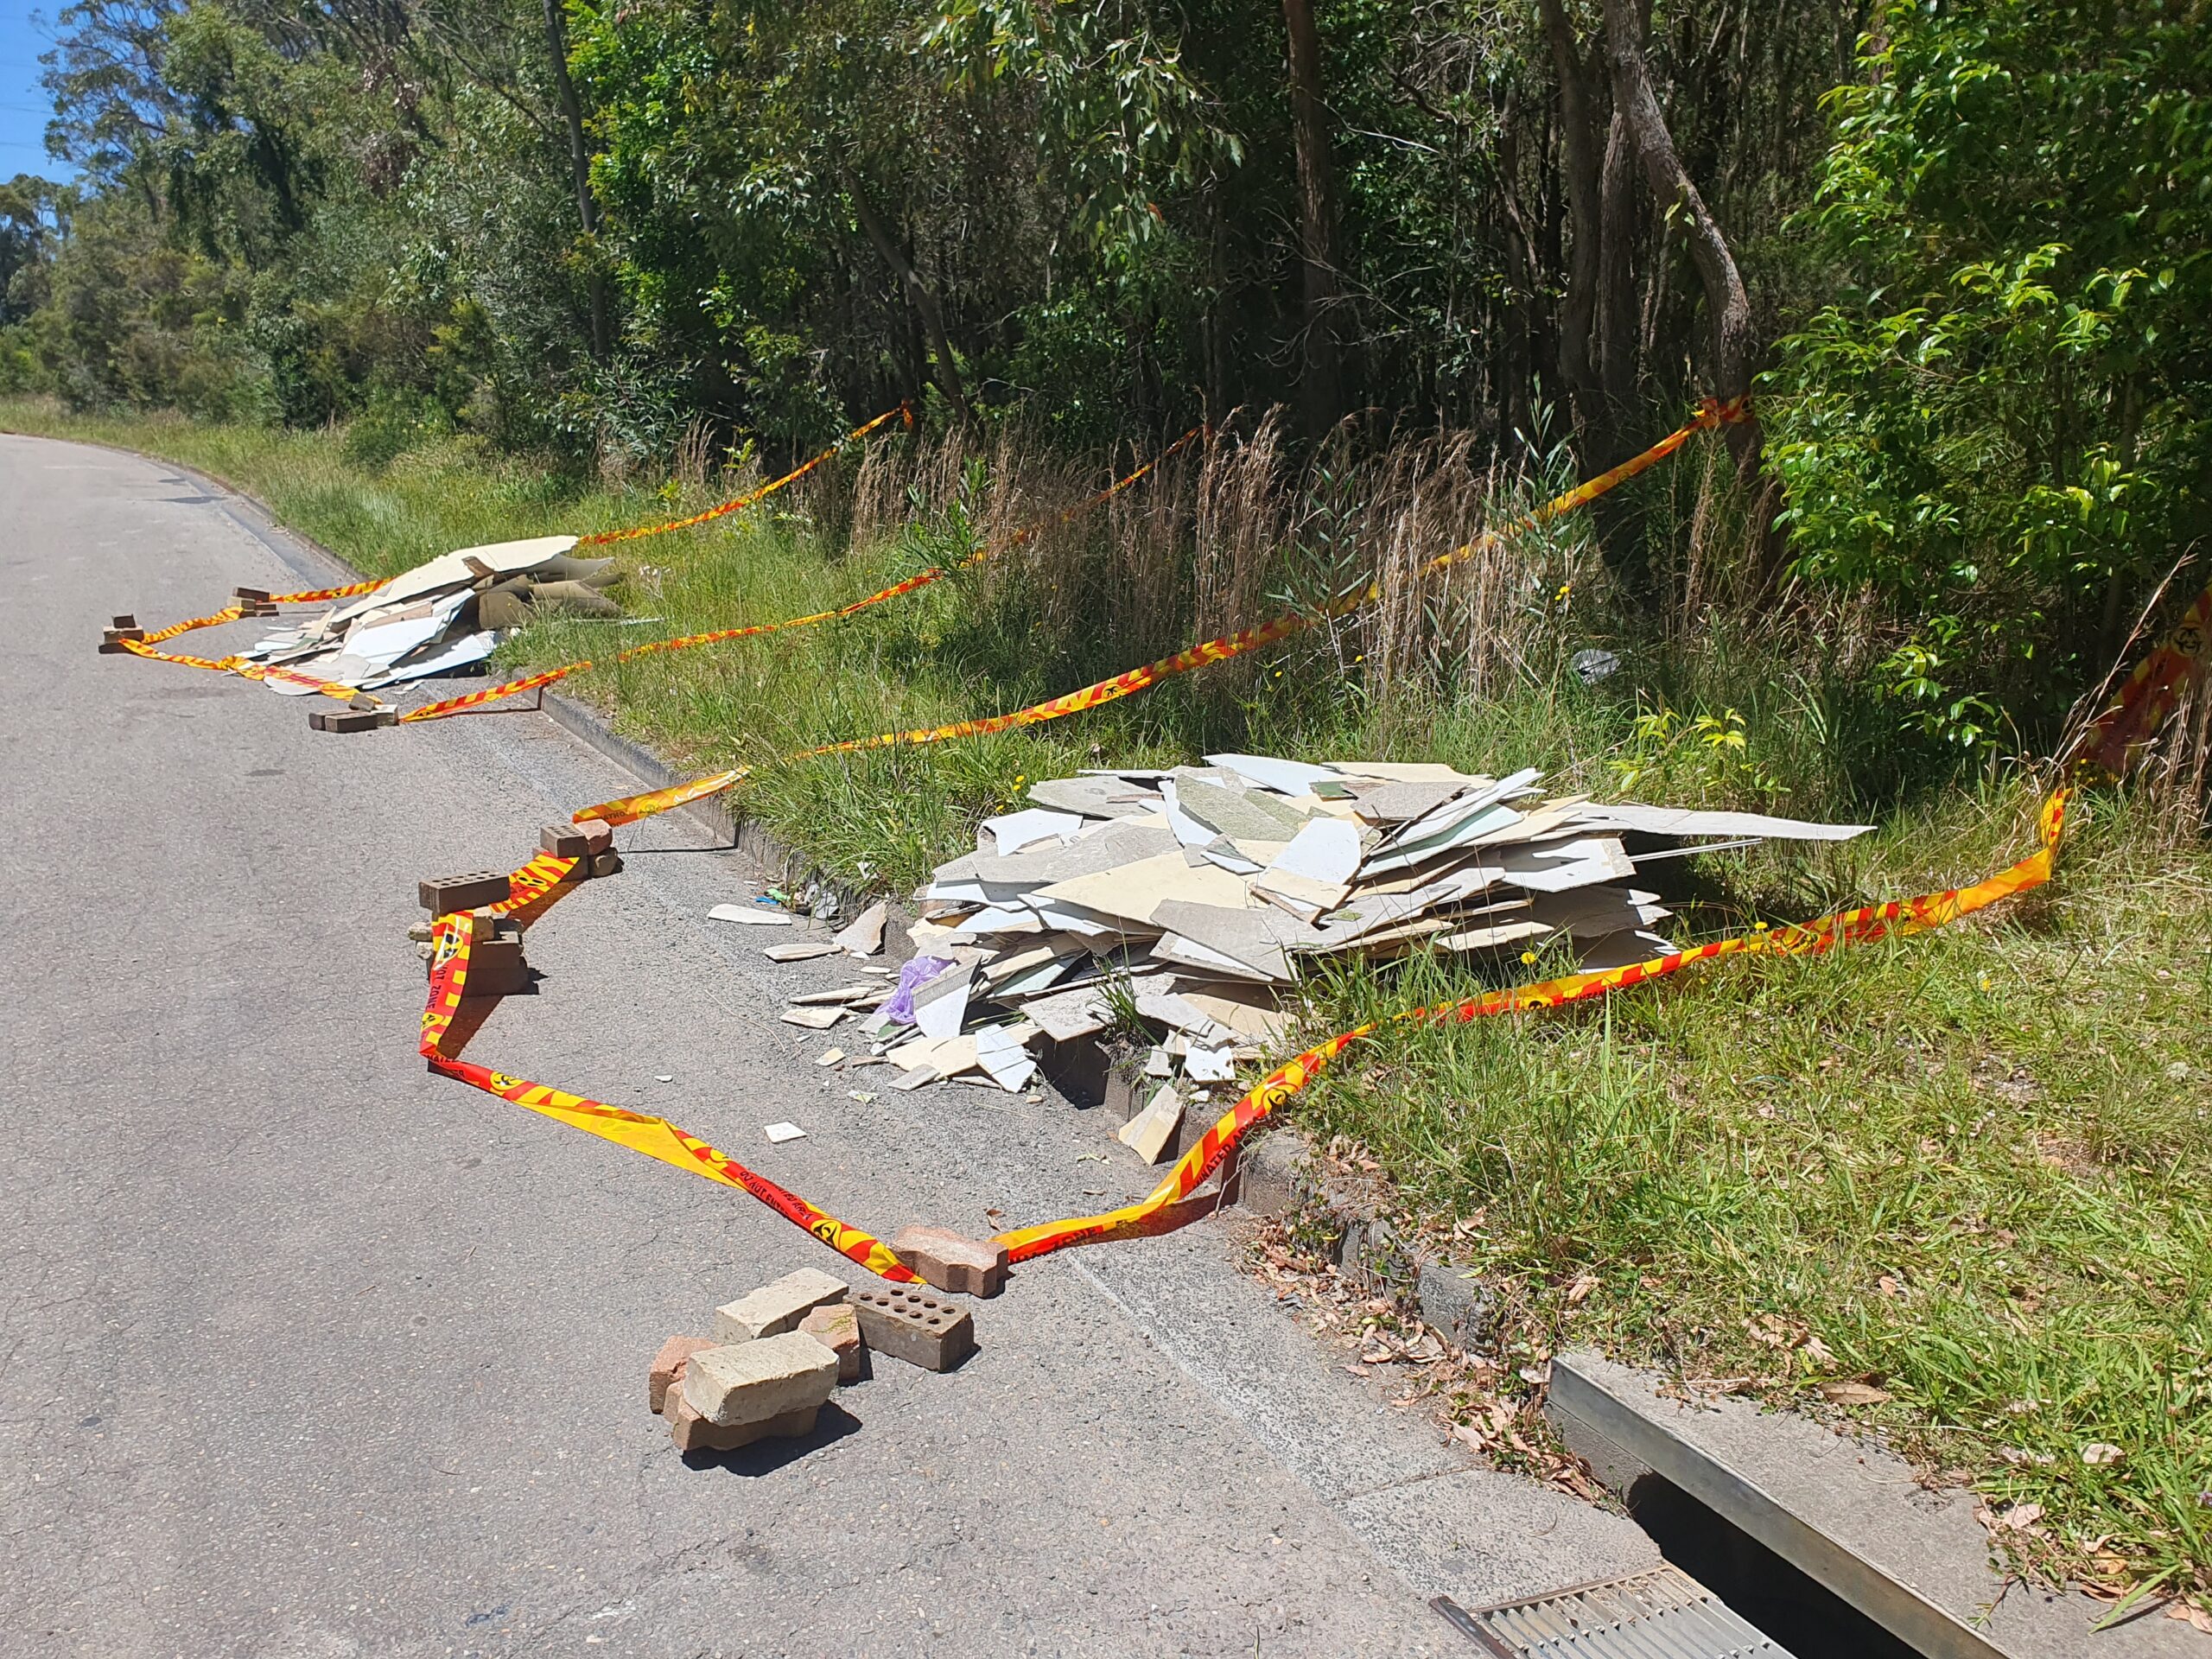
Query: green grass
[[1969, 1168]]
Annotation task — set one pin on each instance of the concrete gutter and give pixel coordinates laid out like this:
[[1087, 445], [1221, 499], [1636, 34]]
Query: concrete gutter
[[1846, 1512]]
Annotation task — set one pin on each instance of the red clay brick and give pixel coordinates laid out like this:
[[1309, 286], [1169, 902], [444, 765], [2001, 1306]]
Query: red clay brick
[[950, 1261], [837, 1328], [693, 1433], [913, 1326], [667, 1366]]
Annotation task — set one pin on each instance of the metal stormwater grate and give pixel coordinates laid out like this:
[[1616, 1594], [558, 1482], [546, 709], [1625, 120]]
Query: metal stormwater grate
[[1661, 1614]]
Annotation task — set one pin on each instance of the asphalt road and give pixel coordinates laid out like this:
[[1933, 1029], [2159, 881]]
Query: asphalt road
[[307, 1353]]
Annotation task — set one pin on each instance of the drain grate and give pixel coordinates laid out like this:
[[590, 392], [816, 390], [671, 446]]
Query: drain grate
[[1661, 1614]]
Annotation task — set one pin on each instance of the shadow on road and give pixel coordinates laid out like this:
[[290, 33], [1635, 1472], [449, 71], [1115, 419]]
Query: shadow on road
[[766, 1456]]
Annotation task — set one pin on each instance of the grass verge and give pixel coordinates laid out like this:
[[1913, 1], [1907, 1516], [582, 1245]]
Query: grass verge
[[1951, 1186]]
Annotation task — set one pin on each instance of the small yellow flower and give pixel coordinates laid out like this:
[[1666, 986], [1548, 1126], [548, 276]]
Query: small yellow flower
[[1528, 956], [1759, 927], [1986, 982]]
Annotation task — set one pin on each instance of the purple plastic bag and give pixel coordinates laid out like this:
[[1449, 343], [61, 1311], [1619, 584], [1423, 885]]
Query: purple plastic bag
[[900, 1010]]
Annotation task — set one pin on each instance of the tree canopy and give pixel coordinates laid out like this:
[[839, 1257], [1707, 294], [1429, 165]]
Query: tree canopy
[[1960, 247]]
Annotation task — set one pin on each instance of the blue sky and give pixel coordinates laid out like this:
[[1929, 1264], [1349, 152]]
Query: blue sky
[[23, 108]]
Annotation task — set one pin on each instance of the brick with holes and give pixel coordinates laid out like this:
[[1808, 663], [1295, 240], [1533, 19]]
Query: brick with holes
[[915, 1326], [442, 895]]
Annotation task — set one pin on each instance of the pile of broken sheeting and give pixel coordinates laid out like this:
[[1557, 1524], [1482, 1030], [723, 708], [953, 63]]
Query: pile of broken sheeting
[[1192, 899], [439, 618]]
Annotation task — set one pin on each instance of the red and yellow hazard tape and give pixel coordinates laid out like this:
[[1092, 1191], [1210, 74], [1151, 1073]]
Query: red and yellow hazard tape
[[656, 1137], [737, 503], [2150, 693], [913, 583], [451, 938], [233, 612], [630, 808], [1900, 918]]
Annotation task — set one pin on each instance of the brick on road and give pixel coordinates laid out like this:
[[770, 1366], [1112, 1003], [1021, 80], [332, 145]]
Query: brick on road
[[836, 1327], [950, 1261], [913, 1326], [777, 1308], [737, 1384], [668, 1367]]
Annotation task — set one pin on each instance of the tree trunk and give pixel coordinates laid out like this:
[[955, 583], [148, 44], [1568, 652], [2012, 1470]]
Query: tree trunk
[[1578, 308], [1522, 355], [1614, 349], [923, 297], [1734, 346], [1320, 386], [556, 45]]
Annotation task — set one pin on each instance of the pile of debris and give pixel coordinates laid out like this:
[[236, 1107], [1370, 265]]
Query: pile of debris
[[440, 618], [779, 1352], [1189, 901]]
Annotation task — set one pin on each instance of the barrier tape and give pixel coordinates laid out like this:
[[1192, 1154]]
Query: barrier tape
[[452, 937], [657, 1138], [738, 503], [923, 579], [1902, 917], [233, 612], [630, 808], [222, 664], [228, 613], [316, 595], [2150, 692]]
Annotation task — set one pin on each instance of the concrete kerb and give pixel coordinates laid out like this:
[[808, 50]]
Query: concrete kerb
[[1277, 1174]]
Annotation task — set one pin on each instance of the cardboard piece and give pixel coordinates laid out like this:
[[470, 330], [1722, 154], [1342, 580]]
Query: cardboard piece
[[1149, 1132], [749, 916], [863, 936]]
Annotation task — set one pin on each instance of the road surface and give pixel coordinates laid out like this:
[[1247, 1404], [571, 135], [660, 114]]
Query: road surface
[[308, 1352]]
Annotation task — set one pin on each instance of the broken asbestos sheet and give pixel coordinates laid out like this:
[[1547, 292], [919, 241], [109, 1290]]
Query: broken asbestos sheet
[[439, 618], [1193, 900]]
